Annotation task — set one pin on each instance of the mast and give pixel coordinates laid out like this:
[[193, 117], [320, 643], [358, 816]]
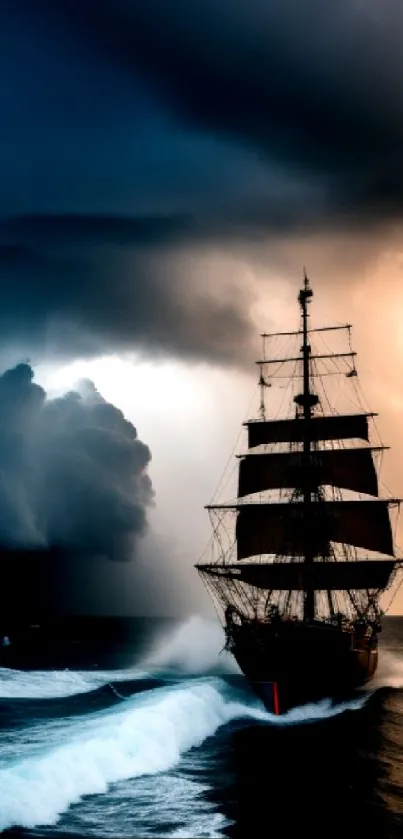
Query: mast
[[306, 294], [308, 401]]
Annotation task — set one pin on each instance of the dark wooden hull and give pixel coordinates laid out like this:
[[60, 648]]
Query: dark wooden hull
[[292, 663]]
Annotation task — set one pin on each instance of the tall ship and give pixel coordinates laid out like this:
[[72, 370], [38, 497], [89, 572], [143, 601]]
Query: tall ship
[[301, 558]]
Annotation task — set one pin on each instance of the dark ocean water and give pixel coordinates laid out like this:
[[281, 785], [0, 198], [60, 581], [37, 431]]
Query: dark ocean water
[[152, 733]]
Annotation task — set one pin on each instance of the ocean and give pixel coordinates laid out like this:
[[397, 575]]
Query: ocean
[[151, 731]]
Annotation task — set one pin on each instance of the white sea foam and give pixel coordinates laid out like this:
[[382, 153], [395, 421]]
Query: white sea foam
[[51, 684], [319, 711], [196, 646], [146, 735], [210, 826]]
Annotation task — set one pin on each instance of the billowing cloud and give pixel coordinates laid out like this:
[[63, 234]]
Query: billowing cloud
[[72, 471]]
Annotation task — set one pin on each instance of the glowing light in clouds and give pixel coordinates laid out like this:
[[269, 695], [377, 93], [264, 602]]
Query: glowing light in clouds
[[132, 384]]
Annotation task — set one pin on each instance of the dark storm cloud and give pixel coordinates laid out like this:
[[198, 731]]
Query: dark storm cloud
[[88, 301], [72, 470], [139, 136], [76, 229], [315, 86]]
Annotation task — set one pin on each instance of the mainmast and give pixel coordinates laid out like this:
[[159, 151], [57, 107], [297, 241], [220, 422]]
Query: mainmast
[[304, 297], [307, 400]]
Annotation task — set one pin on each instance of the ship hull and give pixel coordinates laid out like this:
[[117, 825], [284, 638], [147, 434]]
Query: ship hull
[[294, 663]]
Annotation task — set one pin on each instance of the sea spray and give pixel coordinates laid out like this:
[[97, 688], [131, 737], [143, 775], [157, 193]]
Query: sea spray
[[194, 647], [389, 672]]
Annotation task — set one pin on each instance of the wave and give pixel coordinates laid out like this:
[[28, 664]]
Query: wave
[[144, 735], [53, 684], [147, 736], [195, 647]]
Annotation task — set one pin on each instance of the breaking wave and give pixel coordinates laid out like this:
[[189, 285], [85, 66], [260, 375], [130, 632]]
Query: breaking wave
[[145, 735]]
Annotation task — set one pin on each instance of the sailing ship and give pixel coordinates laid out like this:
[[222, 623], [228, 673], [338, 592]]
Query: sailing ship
[[298, 581]]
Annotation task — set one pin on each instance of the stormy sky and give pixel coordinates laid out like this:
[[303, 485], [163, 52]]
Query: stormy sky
[[168, 166], [141, 139]]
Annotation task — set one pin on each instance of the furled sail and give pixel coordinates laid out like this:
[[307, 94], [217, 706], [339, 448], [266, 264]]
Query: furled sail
[[348, 426], [297, 576], [283, 528], [345, 468]]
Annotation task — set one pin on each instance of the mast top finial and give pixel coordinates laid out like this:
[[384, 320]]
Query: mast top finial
[[306, 280], [306, 292]]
